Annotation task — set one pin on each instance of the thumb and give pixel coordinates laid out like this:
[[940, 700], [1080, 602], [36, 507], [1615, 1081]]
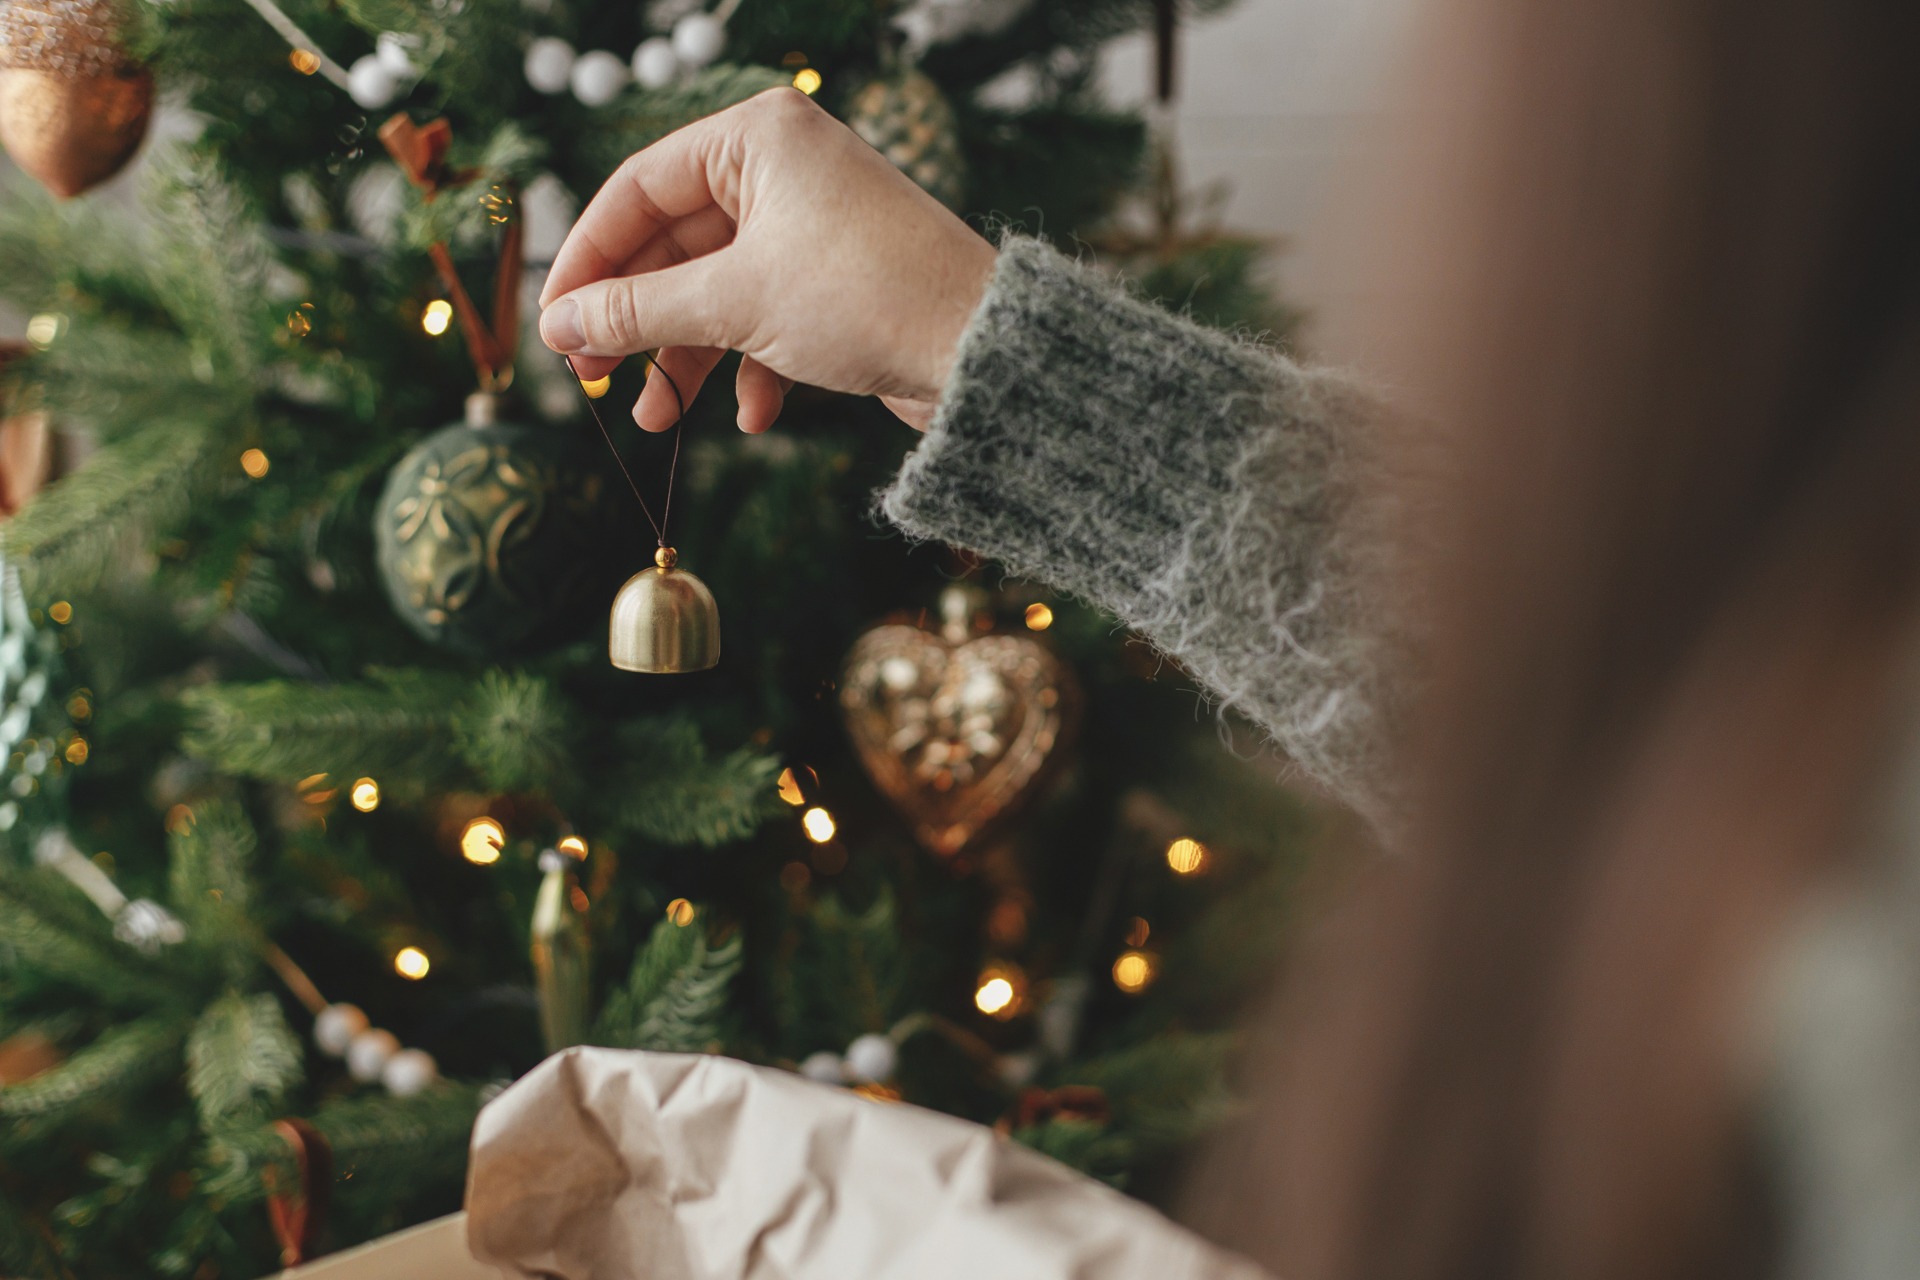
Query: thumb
[[696, 304]]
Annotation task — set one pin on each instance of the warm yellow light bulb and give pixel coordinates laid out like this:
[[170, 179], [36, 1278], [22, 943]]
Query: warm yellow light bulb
[[1135, 971], [1187, 857], [818, 824], [480, 843], [994, 995], [365, 795], [437, 317], [305, 61], [1039, 617], [254, 463], [61, 612], [573, 846], [596, 388], [790, 789], [680, 912], [43, 329], [76, 752], [411, 962], [807, 81]]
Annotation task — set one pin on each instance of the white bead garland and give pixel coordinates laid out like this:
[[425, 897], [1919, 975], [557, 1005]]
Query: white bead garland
[[335, 1026], [368, 1053], [698, 39], [549, 65], [396, 55], [371, 84], [655, 65], [824, 1067], [598, 77], [872, 1059], [408, 1072]]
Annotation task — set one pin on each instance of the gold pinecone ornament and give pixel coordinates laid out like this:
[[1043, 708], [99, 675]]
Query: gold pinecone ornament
[[73, 106], [908, 120]]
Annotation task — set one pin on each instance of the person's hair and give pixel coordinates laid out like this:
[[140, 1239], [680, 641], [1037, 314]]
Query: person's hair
[[1654, 308]]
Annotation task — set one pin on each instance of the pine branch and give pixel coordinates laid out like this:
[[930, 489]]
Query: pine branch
[[122, 1059], [382, 1146], [843, 975], [211, 267], [50, 934], [395, 728], [640, 119], [26, 1246], [512, 732], [678, 796], [68, 534], [674, 998], [1165, 1092], [241, 1058], [210, 858]]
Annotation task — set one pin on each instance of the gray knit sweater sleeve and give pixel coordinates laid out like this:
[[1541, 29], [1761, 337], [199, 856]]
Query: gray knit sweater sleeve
[[1194, 485]]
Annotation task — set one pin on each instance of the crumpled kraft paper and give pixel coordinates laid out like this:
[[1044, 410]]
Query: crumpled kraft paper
[[608, 1165]]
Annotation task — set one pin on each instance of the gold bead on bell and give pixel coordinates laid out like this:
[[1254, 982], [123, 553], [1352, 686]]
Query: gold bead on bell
[[664, 620]]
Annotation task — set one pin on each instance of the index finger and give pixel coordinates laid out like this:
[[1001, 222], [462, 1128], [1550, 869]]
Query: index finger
[[677, 176]]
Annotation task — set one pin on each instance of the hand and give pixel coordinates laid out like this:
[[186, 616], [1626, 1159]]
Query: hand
[[769, 229]]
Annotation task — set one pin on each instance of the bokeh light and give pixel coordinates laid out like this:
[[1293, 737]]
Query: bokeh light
[[481, 842], [411, 962], [365, 795], [1135, 971], [1187, 857]]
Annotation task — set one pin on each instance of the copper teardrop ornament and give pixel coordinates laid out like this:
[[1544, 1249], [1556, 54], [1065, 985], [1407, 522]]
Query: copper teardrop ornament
[[664, 621], [74, 107]]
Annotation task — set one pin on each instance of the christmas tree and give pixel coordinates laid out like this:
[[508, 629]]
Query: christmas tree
[[323, 811]]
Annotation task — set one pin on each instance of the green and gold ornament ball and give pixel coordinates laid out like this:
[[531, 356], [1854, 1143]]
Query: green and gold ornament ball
[[493, 538], [908, 120]]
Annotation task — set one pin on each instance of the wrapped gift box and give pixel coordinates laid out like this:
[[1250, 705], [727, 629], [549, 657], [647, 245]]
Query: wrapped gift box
[[434, 1250]]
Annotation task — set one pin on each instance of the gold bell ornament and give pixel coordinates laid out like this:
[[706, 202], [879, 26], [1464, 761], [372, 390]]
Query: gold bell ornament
[[664, 620]]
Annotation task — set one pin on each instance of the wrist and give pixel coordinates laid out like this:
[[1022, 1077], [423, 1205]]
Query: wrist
[[971, 273]]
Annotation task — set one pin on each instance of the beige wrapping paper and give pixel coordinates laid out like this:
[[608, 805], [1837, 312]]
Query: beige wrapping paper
[[604, 1165]]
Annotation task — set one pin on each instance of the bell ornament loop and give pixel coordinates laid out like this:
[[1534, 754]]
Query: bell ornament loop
[[664, 621]]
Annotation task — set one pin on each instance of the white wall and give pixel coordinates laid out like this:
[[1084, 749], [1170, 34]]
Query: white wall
[[1272, 96]]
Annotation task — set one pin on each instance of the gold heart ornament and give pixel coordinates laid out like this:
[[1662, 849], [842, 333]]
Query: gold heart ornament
[[955, 728]]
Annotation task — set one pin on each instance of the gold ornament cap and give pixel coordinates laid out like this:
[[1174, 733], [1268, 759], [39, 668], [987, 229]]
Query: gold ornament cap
[[664, 621]]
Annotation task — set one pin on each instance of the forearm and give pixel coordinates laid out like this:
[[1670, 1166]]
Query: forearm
[[1198, 487]]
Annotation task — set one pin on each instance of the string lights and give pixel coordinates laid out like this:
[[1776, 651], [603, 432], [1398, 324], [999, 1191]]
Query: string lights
[[1187, 857], [482, 841], [1135, 971], [818, 824]]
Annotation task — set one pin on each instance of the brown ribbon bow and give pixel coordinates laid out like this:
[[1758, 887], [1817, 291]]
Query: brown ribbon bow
[[421, 153]]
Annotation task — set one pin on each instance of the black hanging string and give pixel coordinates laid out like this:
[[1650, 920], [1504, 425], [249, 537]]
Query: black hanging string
[[666, 509]]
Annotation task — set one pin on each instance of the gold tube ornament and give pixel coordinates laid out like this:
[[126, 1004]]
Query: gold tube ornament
[[664, 620]]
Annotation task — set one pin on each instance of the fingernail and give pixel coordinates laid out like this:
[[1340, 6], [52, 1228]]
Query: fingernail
[[560, 326]]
